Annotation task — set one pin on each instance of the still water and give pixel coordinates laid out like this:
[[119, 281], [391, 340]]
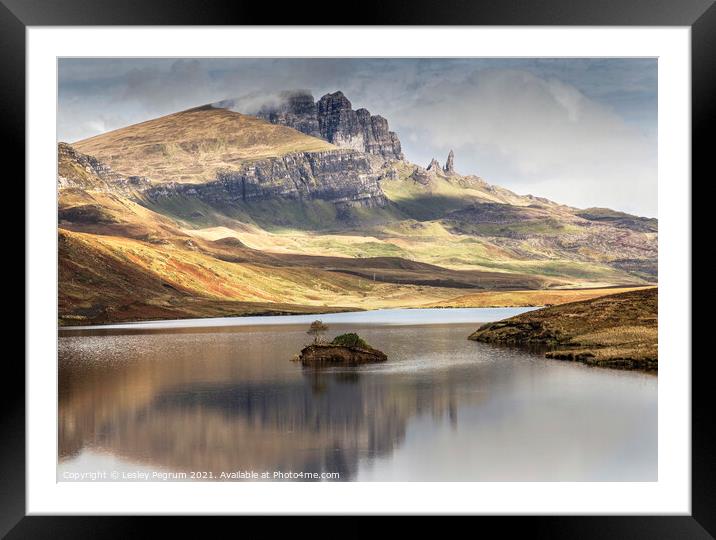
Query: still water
[[157, 402]]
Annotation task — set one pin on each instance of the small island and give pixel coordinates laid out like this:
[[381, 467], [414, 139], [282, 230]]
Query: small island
[[345, 350]]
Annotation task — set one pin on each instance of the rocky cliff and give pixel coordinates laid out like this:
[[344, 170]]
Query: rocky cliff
[[78, 170], [343, 177], [435, 168], [296, 110], [450, 163], [332, 118]]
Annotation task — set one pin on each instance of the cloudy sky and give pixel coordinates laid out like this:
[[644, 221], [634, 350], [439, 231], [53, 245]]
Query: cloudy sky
[[579, 131]]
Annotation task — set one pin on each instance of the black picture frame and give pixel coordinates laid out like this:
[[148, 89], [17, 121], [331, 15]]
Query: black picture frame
[[699, 15]]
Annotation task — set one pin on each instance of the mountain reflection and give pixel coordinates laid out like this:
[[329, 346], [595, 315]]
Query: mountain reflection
[[217, 412], [442, 408]]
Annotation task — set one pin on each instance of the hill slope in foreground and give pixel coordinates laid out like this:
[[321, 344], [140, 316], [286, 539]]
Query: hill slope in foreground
[[618, 330], [209, 212]]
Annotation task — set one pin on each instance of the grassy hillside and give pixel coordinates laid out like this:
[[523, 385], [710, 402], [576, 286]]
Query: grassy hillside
[[425, 195], [109, 278], [618, 330], [433, 242], [109, 213], [190, 146], [275, 216]]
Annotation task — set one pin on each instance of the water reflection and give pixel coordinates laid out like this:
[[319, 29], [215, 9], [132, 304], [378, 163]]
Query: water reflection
[[232, 400]]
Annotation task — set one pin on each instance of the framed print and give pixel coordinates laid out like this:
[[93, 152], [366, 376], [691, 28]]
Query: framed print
[[422, 265]]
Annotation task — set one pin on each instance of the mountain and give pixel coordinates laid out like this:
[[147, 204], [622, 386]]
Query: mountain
[[332, 118], [191, 146], [308, 206]]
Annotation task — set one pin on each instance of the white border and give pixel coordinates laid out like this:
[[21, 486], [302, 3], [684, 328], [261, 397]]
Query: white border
[[671, 494]]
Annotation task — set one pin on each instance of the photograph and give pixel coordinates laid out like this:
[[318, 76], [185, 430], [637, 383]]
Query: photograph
[[357, 269]]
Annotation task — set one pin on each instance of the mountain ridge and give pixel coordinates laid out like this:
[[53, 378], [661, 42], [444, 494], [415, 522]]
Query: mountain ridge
[[299, 206]]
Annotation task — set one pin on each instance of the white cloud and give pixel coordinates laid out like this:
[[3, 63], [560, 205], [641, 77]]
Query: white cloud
[[539, 135]]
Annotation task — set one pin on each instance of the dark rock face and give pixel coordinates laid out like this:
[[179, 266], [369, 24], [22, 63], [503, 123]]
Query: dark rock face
[[434, 166], [332, 118], [450, 163], [338, 122], [78, 170], [342, 126], [297, 110], [343, 177], [331, 355]]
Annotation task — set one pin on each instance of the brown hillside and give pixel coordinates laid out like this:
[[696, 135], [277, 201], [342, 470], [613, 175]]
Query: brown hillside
[[190, 146], [112, 279]]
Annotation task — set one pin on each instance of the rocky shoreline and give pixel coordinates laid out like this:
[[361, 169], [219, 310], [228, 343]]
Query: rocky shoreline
[[617, 331], [329, 355]]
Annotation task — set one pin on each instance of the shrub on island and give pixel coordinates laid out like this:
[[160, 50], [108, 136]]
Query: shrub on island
[[346, 349], [350, 340]]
